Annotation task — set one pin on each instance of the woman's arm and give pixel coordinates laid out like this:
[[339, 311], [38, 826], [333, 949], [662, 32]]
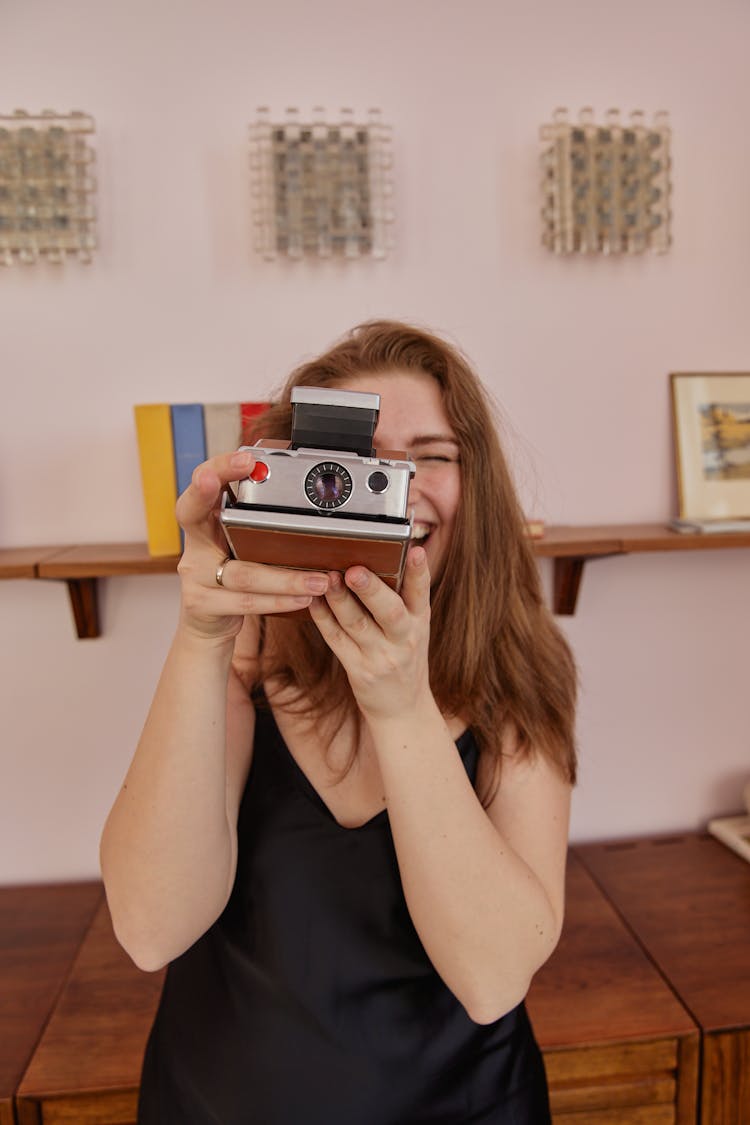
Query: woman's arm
[[168, 847], [484, 889], [168, 850]]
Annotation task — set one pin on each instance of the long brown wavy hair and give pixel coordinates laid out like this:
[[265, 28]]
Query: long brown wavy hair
[[496, 656]]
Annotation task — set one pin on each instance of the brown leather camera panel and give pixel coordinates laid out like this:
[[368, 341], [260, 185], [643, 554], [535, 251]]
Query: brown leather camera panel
[[319, 552]]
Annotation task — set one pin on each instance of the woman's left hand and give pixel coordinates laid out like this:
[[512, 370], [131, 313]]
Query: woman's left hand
[[380, 637]]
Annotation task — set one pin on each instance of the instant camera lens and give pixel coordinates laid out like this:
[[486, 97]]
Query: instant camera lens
[[328, 485]]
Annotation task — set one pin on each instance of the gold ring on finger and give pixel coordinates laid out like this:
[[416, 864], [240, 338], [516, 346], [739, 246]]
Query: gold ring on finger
[[220, 570]]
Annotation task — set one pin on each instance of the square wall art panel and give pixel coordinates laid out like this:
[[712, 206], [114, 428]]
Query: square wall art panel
[[321, 189], [46, 187]]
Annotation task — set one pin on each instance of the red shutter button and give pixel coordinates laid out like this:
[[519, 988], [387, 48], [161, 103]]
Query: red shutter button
[[259, 472]]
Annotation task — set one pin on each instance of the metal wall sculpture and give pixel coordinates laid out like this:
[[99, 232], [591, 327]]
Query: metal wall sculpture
[[320, 189], [46, 187], [606, 186]]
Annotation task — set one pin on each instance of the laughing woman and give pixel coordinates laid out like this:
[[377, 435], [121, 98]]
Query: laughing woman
[[345, 829]]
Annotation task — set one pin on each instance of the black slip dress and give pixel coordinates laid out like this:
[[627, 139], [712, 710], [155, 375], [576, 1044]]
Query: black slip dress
[[311, 1000]]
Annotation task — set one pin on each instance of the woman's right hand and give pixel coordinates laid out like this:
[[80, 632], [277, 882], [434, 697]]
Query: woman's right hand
[[218, 611]]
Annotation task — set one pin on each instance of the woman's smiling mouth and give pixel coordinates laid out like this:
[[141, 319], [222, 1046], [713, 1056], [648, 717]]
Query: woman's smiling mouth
[[421, 532]]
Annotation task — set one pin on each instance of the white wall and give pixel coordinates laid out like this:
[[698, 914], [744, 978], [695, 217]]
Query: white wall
[[176, 307]]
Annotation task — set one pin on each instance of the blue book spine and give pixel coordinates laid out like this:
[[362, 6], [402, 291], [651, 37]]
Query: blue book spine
[[189, 441]]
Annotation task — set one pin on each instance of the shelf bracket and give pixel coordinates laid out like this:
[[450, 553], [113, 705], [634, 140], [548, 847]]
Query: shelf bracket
[[566, 580], [84, 601], [567, 573]]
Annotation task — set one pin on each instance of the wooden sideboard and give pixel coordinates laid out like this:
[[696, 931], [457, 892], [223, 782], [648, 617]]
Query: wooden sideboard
[[687, 901], [86, 1068], [642, 1012], [41, 929], [619, 1047]]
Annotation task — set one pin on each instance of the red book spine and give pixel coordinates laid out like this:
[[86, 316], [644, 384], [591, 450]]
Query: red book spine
[[249, 412]]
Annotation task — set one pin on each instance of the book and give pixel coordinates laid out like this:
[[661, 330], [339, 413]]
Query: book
[[227, 424], [188, 445], [734, 831], [222, 423], [250, 411], [153, 423], [189, 441], [709, 527]]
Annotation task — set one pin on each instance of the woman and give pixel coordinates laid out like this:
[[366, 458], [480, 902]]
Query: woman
[[346, 828]]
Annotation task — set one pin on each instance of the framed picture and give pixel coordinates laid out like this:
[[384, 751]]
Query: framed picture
[[711, 415]]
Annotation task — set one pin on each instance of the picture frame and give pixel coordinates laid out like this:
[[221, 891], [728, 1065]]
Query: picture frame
[[711, 421]]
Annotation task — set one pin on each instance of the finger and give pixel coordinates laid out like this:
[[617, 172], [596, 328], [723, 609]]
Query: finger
[[247, 589], [256, 579], [250, 603], [332, 632], [198, 502], [349, 611], [385, 606], [415, 589]]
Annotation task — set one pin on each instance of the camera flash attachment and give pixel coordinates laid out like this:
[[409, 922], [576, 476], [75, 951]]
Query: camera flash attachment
[[324, 418]]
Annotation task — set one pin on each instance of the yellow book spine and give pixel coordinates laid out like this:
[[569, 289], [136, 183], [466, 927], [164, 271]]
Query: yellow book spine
[[153, 425]]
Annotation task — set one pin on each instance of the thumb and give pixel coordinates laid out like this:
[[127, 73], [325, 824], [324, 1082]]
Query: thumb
[[415, 589], [198, 502]]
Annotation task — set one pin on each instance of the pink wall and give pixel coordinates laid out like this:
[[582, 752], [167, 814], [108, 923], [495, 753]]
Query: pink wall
[[176, 307]]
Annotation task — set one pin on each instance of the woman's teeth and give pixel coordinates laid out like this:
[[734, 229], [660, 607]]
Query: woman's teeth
[[420, 531]]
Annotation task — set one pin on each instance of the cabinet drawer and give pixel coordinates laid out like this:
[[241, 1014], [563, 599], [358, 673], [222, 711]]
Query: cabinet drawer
[[614, 1060], [637, 1115], [111, 1107], [627, 1083]]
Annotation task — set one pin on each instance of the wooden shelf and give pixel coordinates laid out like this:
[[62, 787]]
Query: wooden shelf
[[80, 567], [23, 562], [570, 547]]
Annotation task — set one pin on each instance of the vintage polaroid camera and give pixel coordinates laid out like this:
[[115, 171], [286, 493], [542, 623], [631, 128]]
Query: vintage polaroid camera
[[326, 500]]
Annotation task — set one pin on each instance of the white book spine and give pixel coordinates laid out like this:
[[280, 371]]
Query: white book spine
[[223, 426]]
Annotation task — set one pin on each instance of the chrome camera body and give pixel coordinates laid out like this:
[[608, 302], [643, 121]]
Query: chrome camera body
[[325, 500]]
